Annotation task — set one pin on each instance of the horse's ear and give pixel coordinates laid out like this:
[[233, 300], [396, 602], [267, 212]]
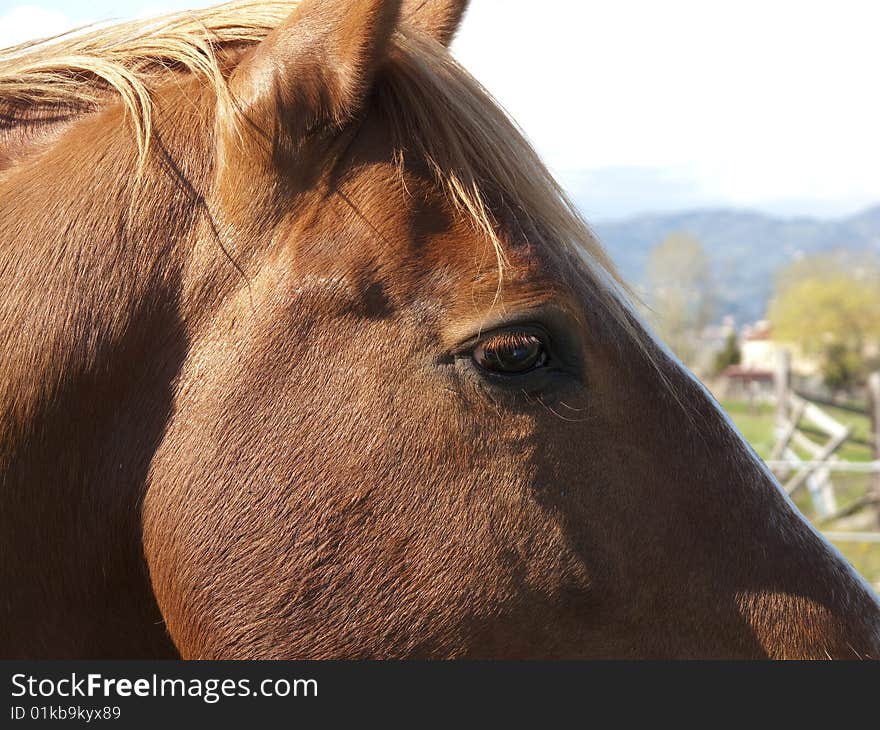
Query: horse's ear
[[436, 18], [316, 67]]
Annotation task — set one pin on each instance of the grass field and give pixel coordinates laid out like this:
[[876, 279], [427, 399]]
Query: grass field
[[756, 424]]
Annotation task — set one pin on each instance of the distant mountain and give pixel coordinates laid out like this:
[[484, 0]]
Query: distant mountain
[[745, 248]]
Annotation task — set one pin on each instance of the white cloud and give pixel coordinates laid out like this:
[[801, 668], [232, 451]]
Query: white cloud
[[758, 101], [25, 22]]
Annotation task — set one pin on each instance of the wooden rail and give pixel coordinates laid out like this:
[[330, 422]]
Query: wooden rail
[[838, 536], [799, 414]]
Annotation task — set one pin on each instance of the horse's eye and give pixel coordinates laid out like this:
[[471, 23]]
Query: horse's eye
[[510, 353]]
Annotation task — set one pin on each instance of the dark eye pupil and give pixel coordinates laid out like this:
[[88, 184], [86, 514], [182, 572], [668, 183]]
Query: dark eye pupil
[[510, 353]]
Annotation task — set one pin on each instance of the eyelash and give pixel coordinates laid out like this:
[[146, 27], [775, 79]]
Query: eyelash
[[493, 349]]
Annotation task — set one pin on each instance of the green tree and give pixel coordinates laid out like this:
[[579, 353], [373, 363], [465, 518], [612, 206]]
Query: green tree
[[829, 304], [729, 354], [680, 292]]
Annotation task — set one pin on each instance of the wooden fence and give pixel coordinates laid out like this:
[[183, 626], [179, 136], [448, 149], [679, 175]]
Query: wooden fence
[[804, 427]]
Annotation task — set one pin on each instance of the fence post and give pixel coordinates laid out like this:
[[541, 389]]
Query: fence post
[[782, 381], [874, 415]]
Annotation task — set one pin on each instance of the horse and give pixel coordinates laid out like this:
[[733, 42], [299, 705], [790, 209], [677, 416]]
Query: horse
[[306, 355]]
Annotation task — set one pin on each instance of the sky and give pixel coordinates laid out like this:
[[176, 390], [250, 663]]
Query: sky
[[644, 106]]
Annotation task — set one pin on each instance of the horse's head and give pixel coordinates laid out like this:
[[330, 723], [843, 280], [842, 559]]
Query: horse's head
[[417, 417], [424, 421]]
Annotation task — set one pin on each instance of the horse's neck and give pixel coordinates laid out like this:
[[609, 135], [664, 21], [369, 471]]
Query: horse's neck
[[90, 269]]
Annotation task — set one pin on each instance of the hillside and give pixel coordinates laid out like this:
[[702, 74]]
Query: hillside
[[745, 248]]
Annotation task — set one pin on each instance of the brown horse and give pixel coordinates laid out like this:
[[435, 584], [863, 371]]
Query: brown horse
[[305, 355]]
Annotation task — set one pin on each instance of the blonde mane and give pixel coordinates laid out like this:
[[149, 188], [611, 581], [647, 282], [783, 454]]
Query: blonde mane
[[473, 148], [78, 68]]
